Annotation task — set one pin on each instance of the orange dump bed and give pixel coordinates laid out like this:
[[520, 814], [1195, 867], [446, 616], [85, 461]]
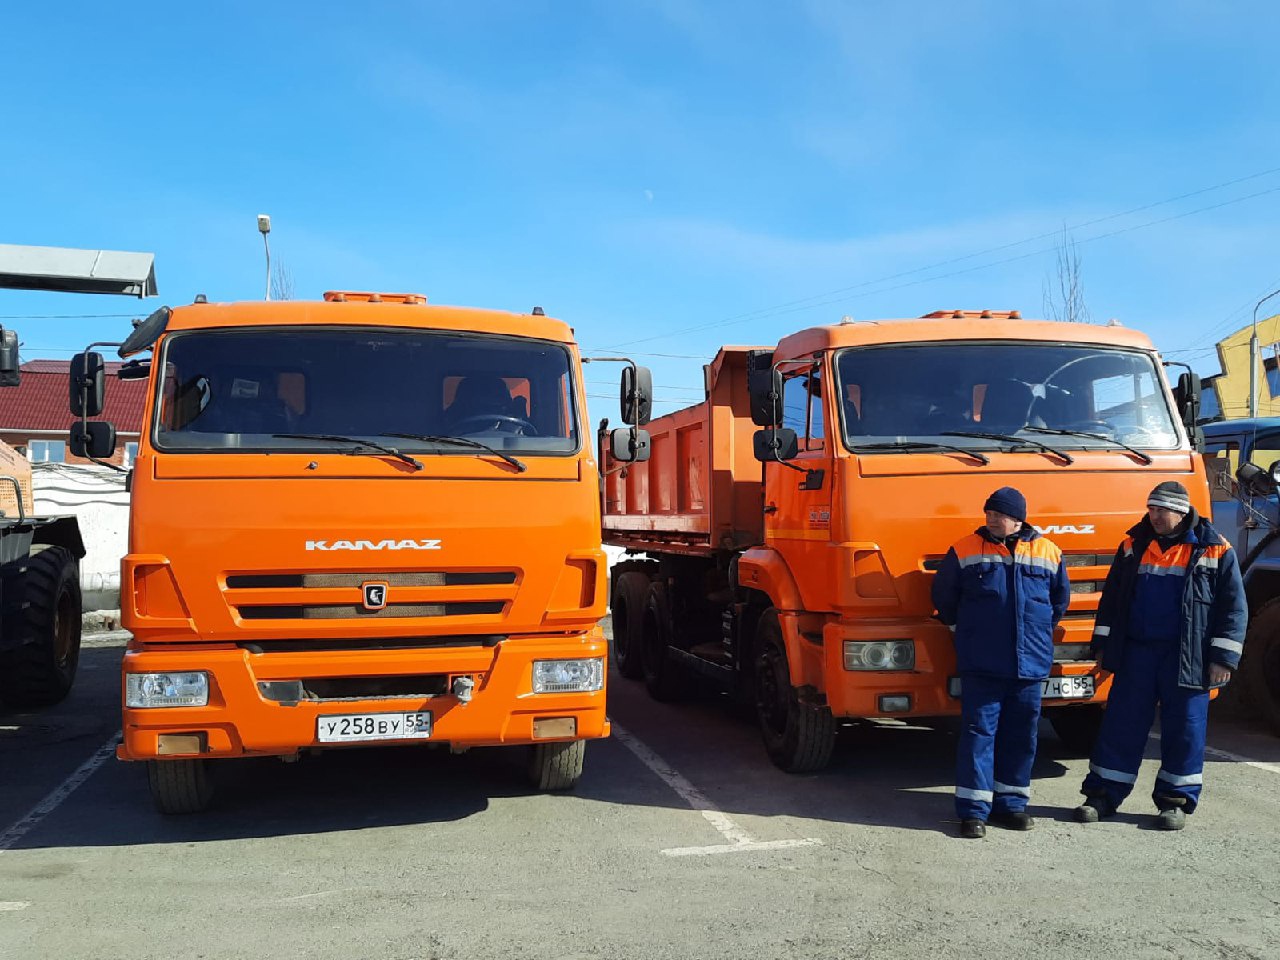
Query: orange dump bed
[[701, 488]]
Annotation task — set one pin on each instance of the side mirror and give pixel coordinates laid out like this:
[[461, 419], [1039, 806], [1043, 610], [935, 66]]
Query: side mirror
[[93, 440], [9, 366], [88, 384], [637, 395], [777, 444], [1187, 396], [1256, 481], [764, 388], [629, 445], [1274, 470]]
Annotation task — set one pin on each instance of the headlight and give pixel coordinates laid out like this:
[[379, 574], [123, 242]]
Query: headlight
[[568, 676], [166, 689], [880, 655]]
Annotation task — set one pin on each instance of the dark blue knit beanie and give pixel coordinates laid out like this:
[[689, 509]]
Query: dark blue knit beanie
[[1009, 501]]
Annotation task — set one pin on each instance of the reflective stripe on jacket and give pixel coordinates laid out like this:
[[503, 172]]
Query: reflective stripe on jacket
[[1213, 612], [1003, 606]]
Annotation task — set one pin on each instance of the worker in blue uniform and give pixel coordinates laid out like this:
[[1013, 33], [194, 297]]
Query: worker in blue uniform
[[1170, 627], [1002, 591]]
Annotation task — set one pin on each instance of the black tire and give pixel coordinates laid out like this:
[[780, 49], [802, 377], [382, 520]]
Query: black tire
[[663, 677], [1077, 727], [1260, 665], [41, 624], [557, 766], [798, 736], [180, 786], [626, 613]]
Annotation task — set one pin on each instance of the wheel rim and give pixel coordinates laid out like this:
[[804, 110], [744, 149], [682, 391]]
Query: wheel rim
[[63, 629], [773, 691]]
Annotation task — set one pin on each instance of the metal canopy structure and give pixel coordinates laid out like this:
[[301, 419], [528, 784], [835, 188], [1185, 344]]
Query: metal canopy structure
[[68, 270]]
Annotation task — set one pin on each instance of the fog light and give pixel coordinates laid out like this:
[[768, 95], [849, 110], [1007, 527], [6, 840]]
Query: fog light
[[895, 704], [880, 655], [166, 689], [568, 676]]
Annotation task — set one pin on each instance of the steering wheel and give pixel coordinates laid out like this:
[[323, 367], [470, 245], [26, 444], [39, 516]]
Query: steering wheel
[[498, 423]]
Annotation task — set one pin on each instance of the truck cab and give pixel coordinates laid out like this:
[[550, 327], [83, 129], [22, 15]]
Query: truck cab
[[1242, 462], [362, 520]]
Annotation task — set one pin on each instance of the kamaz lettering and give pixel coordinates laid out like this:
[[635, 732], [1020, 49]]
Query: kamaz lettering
[[373, 544], [1064, 528]]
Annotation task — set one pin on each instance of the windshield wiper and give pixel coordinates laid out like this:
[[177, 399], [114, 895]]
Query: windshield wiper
[[1022, 441], [922, 446], [358, 443], [462, 442], [1146, 460]]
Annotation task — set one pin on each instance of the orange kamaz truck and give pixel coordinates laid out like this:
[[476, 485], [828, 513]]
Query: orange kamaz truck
[[786, 529], [359, 521]]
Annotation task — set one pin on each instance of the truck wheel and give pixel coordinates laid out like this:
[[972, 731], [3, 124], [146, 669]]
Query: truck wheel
[[626, 612], [1260, 667], [557, 766], [41, 623], [662, 676], [1077, 727], [798, 736], [180, 786]]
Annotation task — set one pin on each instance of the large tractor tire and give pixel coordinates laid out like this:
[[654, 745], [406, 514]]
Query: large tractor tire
[[557, 766], [798, 736], [41, 628], [1077, 727], [626, 611], [663, 677], [180, 786], [1260, 666]]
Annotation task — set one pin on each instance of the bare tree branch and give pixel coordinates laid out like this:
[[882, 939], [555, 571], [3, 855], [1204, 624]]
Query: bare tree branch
[[1063, 295], [281, 281]]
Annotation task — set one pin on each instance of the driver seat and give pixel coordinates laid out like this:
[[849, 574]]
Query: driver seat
[[1006, 406], [480, 395]]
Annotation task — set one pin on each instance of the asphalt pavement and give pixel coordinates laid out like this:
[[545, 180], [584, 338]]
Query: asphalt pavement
[[681, 841]]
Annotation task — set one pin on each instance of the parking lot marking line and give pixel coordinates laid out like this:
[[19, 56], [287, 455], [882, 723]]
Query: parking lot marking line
[[1216, 754], [748, 847], [739, 839], [68, 786], [6, 905]]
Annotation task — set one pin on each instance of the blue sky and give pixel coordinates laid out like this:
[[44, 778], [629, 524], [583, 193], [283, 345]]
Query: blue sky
[[664, 176]]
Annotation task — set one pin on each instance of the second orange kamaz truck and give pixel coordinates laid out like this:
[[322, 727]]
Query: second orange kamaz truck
[[365, 520], [786, 530]]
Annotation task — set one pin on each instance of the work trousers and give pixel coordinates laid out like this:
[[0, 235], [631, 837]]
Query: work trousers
[[1148, 675], [997, 745]]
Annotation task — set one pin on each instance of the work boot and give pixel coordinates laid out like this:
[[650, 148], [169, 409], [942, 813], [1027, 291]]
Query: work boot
[[1013, 820], [973, 829], [1171, 815], [1093, 809]]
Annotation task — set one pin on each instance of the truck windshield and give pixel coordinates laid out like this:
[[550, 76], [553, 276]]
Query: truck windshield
[[242, 389], [932, 391]]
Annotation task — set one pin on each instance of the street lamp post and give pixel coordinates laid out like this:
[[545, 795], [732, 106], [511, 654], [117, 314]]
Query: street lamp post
[[1254, 358]]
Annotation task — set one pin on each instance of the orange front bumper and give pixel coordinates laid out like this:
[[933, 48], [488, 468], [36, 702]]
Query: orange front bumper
[[240, 721]]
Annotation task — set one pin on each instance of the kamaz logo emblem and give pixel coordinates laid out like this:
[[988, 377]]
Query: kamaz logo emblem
[[1065, 528], [375, 594], [373, 545]]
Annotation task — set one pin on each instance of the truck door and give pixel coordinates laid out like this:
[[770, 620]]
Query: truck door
[[799, 526], [1221, 460], [1262, 449]]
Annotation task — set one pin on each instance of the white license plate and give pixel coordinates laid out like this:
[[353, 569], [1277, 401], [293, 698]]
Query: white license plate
[[357, 727], [1066, 688]]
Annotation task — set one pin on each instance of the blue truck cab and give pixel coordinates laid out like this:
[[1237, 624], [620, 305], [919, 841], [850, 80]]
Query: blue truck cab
[[1242, 461]]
